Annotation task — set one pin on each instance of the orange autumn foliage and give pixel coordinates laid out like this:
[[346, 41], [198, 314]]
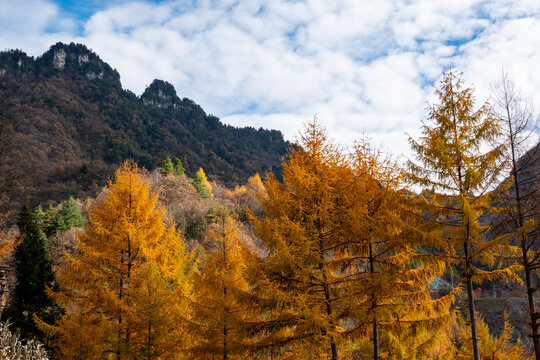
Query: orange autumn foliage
[[458, 163], [125, 290], [222, 308]]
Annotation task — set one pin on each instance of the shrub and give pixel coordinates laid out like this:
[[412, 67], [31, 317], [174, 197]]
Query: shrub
[[12, 348]]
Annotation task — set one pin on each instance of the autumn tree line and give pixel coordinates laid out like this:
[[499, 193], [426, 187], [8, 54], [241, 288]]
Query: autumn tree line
[[334, 261]]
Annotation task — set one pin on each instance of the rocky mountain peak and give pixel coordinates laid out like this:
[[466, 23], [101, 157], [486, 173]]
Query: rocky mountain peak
[[16, 64], [77, 54], [161, 94], [76, 59]]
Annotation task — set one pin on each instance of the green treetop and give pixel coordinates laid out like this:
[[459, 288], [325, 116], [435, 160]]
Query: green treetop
[[178, 168], [69, 215], [167, 167]]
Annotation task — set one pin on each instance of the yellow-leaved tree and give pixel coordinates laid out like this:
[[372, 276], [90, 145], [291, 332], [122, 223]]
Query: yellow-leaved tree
[[388, 275], [125, 291], [7, 243], [456, 344], [460, 169], [222, 307], [342, 257], [201, 185], [246, 197], [296, 277]]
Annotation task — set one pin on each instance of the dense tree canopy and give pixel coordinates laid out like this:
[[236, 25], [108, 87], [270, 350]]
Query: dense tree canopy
[[125, 291]]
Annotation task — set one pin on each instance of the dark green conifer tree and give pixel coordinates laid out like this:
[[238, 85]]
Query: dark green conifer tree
[[69, 215], [59, 219], [33, 270], [167, 167], [40, 217], [178, 168], [48, 221]]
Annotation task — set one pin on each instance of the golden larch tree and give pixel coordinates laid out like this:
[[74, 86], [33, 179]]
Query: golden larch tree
[[390, 300], [125, 290], [456, 345], [201, 185], [296, 278], [222, 309], [460, 169], [7, 244]]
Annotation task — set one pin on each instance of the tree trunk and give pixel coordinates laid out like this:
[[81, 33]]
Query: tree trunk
[[375, 340], [530, 296], [527, 266], [373, 307], [226, 308], [225, 342], [333, 347], [472, 312]]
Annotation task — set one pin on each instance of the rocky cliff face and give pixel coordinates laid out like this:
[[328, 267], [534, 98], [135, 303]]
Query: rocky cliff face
[[76, 60], [59, 59], [16, 64]]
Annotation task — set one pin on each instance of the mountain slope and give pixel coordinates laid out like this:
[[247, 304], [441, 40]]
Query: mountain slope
[[73, 123]]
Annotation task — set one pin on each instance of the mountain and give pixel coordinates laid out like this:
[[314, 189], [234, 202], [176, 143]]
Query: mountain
[[72, 123]]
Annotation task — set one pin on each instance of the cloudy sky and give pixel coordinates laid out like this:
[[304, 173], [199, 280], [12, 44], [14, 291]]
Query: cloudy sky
[[361, 66]]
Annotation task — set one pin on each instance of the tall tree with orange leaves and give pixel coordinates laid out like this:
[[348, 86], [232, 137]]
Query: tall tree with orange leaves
[[126, 289], [297, 280], [388, 278], [222, 306], [458, 165]]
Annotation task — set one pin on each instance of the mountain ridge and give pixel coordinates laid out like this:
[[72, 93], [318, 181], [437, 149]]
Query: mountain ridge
[[73, 123]]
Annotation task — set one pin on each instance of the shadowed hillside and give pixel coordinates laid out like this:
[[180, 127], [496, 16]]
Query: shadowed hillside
[[72, 122]]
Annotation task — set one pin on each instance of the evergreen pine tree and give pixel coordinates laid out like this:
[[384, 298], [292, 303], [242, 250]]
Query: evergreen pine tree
[[69, 215], [33, 271], [178, 168], [40, 217], [49, 221], [167, 167]]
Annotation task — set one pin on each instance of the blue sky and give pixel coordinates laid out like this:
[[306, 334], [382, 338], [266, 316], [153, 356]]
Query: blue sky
[[82, 10], [361, 66]]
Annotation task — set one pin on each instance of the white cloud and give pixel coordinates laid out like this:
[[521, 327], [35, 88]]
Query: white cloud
[[25, 25], [359, 65], [512, 44]]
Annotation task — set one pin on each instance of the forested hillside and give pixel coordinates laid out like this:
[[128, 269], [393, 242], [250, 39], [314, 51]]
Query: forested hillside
[[69, 123]]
